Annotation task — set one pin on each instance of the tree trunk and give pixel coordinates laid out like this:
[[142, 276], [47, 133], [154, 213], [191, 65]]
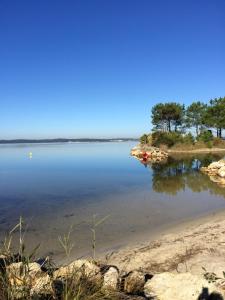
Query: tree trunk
[[169, 126], [197, 130], [220, 132]]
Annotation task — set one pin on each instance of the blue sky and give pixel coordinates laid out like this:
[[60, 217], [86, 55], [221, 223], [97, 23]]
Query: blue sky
[[94, 68]]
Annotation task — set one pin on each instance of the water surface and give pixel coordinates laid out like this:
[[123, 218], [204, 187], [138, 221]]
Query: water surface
[[68, 183]]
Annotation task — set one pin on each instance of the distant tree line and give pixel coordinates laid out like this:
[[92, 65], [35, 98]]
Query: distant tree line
[[172, 116]]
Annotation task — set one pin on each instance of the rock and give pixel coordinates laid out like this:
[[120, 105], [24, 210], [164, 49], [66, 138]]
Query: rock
[[214, 167], [217, 164], [24, 277], [78, 269], [222, 182], [111, 279], [221, 172], [148, 153], [183, 286], [20, 273], [135, 152], [42, 286], [134, 282], [222, 162], [216, 171]]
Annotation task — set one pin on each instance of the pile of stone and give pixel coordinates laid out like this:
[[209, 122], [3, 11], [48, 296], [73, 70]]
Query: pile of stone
[[216, 172], [149, 154], [41, 284]]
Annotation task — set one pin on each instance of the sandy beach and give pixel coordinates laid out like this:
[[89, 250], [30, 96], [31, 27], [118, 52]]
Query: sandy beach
[[191, 246]]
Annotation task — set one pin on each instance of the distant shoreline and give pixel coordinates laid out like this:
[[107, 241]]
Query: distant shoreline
[[63, 140]]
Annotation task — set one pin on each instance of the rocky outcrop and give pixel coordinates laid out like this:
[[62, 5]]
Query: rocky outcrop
[[149, 154], [77, 269], [216, 172], [111, 279], [42, 286], [29, 280], [221, 172], [134, 282], [183, 286]]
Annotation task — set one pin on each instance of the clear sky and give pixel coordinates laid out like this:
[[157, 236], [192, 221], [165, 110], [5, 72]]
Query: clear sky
[[94, 68]]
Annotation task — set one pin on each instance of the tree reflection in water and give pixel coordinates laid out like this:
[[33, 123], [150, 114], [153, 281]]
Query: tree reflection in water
[[179, 173]]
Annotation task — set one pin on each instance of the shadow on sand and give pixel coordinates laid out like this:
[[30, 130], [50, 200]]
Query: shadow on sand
[[206, 296]]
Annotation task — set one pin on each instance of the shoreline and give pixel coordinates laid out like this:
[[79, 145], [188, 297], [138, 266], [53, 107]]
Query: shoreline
[[132, 244], [181, 265], [198, 242], [146, 147], [147, 153], [196, 151], [186, 255]]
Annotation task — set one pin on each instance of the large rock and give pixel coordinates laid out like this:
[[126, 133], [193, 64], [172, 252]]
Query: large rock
[[27, 279], [216, 171], [168, 286], [221, 172], [42, 286], [134, 282], [21, 273], [79, 268], [213, 168], [217, 164], [111, 279]]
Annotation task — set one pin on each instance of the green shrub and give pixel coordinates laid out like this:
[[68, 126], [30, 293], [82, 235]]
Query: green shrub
[[205, 136], [146, 139], [209, 144], [150, 139], [188, 139], [166, 138]]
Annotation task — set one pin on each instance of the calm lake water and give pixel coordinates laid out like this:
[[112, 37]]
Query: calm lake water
[[65, 184]]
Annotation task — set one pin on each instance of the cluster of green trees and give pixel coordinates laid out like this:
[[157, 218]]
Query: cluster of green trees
[[172, 116]]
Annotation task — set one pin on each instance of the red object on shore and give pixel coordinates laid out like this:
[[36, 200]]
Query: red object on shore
[[145, 155]]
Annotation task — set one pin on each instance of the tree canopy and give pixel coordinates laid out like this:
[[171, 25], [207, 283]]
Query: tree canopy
[[173, 116], [215, 115], [166, 115], [194, 115]]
